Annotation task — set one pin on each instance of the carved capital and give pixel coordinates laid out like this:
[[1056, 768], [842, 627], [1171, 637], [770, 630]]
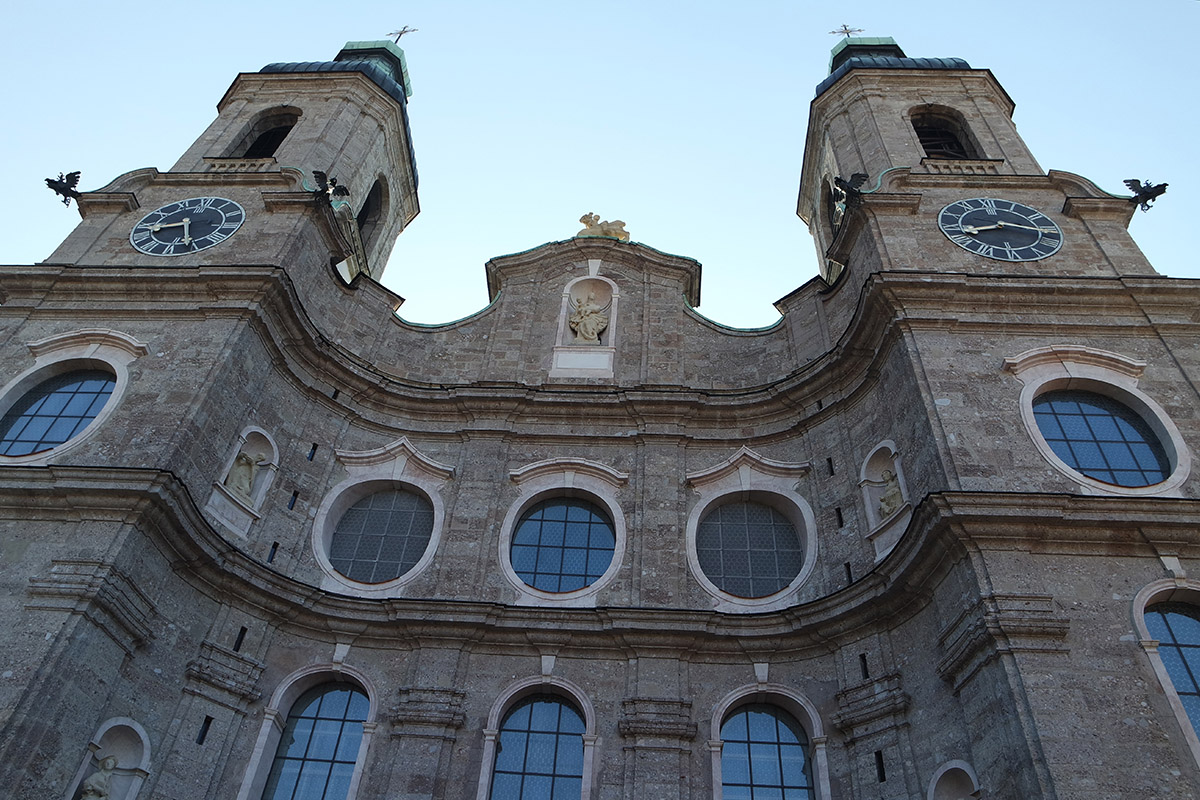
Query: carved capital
[[227, 678], [871, 707], [657, 723], [428, 712], [102, 594]]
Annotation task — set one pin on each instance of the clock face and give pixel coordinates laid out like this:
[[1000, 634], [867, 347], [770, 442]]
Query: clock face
[[187, 226], [1000, 229]]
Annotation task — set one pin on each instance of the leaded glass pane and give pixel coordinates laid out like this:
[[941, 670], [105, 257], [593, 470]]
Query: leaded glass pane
[[748, 549], [1101, 437], [539, 754], [320, 744], [54, 411], [1177, 628], [563, 545], [382, 536], [762, 755]]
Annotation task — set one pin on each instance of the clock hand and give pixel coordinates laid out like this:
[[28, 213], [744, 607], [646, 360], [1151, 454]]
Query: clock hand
[[1023, 227], [973, 229], [187, 238], [159, 226]]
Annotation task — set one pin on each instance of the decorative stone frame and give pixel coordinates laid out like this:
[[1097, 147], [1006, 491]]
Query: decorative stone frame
[[128, 742], [950, 120], [275, 717], [802, 710], [747, 476], [586, 360], [1167, 590], [230, 508], [1046, 369], [515, 693], [563, 477], [883, 532], [89, 348], [948, 781], [263, 121], [398, 465]]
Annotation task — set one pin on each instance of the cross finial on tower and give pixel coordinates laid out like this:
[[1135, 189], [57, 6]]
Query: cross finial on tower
[[401, 32], [846, 31]]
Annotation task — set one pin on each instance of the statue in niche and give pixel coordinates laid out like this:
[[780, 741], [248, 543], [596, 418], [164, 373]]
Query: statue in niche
[[891, 499], [592, 226], [96, 787], [588, 320], [240, 479]]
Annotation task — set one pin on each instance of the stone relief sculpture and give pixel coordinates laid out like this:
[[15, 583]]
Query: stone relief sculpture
[[891, 499], [240, 479], [594, 227], [96, 787], [587, 320]]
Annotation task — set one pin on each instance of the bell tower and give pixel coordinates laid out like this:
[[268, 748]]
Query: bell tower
[[246, 186], [946, 181]]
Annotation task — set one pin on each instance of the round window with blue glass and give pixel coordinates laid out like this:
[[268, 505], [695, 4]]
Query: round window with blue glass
[[563, 545]]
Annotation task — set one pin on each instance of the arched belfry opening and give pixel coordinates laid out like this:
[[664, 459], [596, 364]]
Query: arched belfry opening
[[265, 134], [944, 134], [370, 215]]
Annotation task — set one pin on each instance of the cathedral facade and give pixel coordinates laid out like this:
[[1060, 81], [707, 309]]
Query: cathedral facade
[[926, 537]]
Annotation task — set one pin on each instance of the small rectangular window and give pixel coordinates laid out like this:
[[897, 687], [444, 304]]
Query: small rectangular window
[[862, 665], [203, 734], [241, 638], [312, 452], [829, 464], [840, 519], [849, 573], [292, 500], [273, 551], [880, 772]]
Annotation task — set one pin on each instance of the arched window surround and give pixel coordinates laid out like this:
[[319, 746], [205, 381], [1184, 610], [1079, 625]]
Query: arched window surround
[[275, 718], [950, 120], [515, 693], [1167, 590], [369, 218], [1046, 369], [954, 766], [748, 476], [398, 465], [89, 348], [266, 120], [798, 706], [563, 477]]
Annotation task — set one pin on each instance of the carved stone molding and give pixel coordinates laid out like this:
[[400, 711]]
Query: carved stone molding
[[227, 678], [998, 625], [657, 723], [428, 712], [871, 707], [963, 166], [101, 593]]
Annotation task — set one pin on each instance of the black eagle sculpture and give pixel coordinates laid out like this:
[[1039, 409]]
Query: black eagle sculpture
[[327, 187], [853, 186], [1145, 193], [65, 186]]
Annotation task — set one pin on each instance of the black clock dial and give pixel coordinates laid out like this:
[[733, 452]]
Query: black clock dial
[[1000, 229], [187, 226]]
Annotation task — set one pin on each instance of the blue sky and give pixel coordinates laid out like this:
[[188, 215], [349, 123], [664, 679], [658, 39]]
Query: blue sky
[[685, 120]]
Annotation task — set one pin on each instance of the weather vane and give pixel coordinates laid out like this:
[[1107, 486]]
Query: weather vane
[[846, 31], [403, 31]]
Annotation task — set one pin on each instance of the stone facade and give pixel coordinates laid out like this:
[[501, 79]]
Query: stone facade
[[981, 636]]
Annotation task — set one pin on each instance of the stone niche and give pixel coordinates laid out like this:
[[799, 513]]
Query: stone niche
[[585, 344], [250, 467], [885, 495]]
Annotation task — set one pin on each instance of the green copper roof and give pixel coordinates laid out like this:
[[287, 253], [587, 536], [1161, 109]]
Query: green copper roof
[[383, 52], [865, 45]]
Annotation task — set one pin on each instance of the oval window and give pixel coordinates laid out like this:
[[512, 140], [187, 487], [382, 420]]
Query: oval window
[[55, 411], [382, 536]]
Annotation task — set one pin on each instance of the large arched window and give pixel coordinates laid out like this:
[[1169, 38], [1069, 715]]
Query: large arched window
[[540, 753], [55, 411], [369, 215], [943, 134], [1176, 626], [320, 744], [262, 138], [764, 755]]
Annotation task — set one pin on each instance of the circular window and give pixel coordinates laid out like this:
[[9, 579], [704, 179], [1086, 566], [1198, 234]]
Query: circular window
[[382, 536], [562, 545], [54, 411], [1101, 438], [748, 549]]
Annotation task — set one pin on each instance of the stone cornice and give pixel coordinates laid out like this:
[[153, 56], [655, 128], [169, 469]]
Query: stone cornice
[[945, 528], [889, 304]]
